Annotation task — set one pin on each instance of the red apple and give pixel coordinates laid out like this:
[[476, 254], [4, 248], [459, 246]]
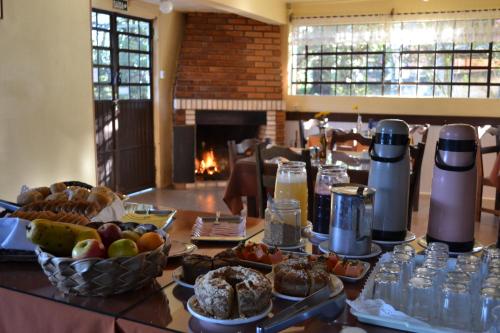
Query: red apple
[[88, 248], [109, 232]]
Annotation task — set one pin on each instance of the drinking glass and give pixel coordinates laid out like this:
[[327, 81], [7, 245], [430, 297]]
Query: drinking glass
[[327, 176], [496, 319], [489, 254], [459, 277], [291, 183], [437, 246], [405, 248], [468, 259], [455, 307], [439, 266], [436, 255], [386, 288], [282, 223], [394, 268], [420, 302], [406, 264], [492, 281], [489, 298], [474, 272]]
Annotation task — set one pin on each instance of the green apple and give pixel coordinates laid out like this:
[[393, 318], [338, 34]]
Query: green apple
[[123, 248], [129, 234]]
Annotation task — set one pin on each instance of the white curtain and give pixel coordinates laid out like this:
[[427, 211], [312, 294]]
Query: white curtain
[[322, 32]]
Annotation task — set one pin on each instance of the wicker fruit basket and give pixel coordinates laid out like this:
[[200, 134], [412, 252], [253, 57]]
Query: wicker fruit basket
[[104, 277]]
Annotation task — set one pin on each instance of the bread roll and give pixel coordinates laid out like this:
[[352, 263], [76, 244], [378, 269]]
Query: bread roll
[[57, 196], [57, 187], [100, 189], [44, 190], [29, 197], [100, 199], [79, 193]]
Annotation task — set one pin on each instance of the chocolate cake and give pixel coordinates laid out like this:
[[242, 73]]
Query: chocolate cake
[[299, 277], [194, 265]]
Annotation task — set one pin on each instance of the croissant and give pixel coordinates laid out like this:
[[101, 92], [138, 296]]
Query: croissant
[[81, 207]]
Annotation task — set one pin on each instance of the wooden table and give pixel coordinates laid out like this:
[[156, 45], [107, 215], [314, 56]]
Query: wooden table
[[29, 303]]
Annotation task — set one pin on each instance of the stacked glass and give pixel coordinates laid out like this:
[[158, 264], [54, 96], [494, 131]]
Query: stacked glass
[[463, 297]]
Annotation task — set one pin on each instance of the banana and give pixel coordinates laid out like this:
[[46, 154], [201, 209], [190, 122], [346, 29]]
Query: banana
[[58, 238]]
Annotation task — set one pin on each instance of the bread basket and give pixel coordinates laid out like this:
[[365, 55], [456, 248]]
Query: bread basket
[[104, 277]]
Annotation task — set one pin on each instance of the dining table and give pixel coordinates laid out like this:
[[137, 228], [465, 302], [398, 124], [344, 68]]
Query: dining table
[[29, 303], [242, 181]]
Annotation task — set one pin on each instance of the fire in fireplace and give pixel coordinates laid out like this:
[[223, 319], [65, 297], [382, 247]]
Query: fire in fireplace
[[207, 165]]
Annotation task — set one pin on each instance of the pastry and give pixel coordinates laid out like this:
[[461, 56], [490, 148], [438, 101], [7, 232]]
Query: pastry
[[82, 207], [233, 292], [77, 193], [300, 277], [100, 199], [44, 190], [57, 187], [48, 215], [194, 265], [29, 197], [57, 196]]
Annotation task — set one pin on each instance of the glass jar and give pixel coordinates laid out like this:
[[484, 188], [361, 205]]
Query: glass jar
[[327, 176], [282, 226], [291, 183]]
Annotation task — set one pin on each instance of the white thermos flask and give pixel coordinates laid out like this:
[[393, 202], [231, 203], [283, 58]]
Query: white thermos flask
[[390, 177]]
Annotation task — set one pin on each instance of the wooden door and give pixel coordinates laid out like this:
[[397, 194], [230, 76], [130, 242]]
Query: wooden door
[[122, 71]]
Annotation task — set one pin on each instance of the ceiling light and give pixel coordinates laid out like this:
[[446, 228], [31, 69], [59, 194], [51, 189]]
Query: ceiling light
[[166, 6]]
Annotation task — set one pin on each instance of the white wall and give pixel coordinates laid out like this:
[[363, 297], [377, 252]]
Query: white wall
[[46, 108], [428, 162]]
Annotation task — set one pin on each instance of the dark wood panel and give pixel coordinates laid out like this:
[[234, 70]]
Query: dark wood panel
[[411, 119], [184, 153]]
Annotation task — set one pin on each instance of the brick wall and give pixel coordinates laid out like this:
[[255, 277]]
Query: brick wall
[[225, 56]]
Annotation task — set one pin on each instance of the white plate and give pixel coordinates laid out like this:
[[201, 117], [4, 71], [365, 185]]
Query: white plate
[[177, 277], [179, 249], [338, 286], [301, 244], [410, 236], [375, 251], [195, 311], [477, 246]]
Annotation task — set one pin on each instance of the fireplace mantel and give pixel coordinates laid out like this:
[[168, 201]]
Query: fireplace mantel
[[228, 104]]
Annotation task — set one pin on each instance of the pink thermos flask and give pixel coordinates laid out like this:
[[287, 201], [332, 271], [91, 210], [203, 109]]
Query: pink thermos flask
[[453, 193]]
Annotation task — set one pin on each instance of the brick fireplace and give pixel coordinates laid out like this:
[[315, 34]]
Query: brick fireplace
[[229, 63]]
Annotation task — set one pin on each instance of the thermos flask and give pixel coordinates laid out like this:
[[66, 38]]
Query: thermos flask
[[453, 193], [351, 219], [390, 177]]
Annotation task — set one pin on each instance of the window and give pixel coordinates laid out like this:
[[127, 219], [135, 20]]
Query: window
[[121, 45], [390, 67]]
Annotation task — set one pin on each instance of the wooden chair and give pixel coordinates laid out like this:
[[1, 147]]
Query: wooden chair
[[241, 150], [302, 140], [266, 173], [487, 181], [339, 136], [418, 131], [417, 156]]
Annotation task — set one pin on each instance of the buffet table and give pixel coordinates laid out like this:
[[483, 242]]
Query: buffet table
[[29, 303]]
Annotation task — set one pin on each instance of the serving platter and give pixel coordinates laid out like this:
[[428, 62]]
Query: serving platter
[[410, 236], [177, 275], [180, 249], [337, 287], [478, 247], [222, 229], [196, 311], [162, 219], [375, 251]]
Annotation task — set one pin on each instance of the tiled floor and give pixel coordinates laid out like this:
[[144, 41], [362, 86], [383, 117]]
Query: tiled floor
[[210, 200]]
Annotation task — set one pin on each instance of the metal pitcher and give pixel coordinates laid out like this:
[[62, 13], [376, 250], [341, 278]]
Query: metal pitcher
[[351, 219]]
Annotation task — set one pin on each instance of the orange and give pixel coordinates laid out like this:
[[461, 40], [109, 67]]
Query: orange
[[149, 241]]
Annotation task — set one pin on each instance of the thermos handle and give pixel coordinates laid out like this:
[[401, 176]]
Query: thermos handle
[[374, 156], [443, 166]]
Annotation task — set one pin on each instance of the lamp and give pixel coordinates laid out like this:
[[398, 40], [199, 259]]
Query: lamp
[[166, 6]]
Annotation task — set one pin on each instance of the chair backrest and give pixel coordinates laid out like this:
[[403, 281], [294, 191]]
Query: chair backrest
[[338, 136], [266, 173], [239, 150], [417, 156], [302, 138], [420, 129]]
